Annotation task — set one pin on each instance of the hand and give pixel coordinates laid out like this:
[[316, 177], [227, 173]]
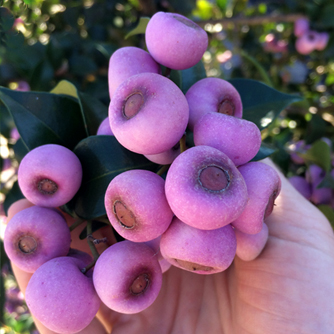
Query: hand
[[288, 289]]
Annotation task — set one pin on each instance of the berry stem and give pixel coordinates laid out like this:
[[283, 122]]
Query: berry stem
[[162, 170], [91, 265], [91, 244], [183, 146]]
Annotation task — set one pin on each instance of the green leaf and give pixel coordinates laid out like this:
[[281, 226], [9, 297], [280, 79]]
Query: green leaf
[[258, 66], [265, 151], [44, 118], [192, 75], [96, 225], [327, 182], [93, 111], [326, 17], [261, 103], [328, 212], [102, 158], [140, 28], [6, 19], [320, 154]]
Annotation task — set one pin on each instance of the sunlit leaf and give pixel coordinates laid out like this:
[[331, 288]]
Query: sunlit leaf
[[261, 103], [320, 154], [44, 118], [102, 158], [140, 28]]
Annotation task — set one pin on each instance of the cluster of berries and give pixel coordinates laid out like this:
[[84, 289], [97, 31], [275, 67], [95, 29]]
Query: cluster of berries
[[210, 207], [309, 40]]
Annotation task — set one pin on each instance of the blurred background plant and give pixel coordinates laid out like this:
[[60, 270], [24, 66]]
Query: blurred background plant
[[273, 41]]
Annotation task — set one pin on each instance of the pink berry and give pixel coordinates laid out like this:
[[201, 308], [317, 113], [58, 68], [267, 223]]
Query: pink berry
[[148, 113], [104, 128], [34, 236], [301, 27], [61, 297], [263, 187], [50, 175], [249, 246], [300, 183], [127, 277], [136, 205], [199, 251], [126, 62], [204, 188], [238, 138], [212, 95], [175, 41]]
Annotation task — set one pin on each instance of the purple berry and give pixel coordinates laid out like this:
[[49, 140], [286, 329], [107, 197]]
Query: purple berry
[[314, 176], [148, 114], [175, 41], [199, 251], [263, 187], [50, 175], [212, 95], [127, 277], [249, 246], [301, 27], [239, 139], [61, 297], [300, 183], [36, 235], [204, 188], [136, 205], [307, 43], [126, 62], [104, 128], [165, 158], [323, 38]]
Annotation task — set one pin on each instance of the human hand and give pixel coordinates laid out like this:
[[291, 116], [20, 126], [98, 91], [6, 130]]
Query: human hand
[[287, 289]]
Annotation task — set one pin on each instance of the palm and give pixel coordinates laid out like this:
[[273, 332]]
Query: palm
[[287, 289]]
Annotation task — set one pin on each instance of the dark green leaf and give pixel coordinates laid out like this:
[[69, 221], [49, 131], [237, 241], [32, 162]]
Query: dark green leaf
[[328, 212], [261, 103], [93, 111], [6, 19], [96, 225], [192, 75], [102, 158], [20, 150], [44, 118], [265, 151], [320, 154], [140, 28], [315, 129], [327, 182], [326, 17], [12, 196]]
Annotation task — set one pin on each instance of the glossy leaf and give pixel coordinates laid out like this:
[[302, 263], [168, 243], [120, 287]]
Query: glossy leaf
[[328, 212], [102, 158], [140, 28], [320, 154], [265, 151], [261, 103], [192, 75], [93, 111], [43, 118]]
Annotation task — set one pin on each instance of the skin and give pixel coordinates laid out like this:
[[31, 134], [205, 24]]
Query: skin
[[288, 288]]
